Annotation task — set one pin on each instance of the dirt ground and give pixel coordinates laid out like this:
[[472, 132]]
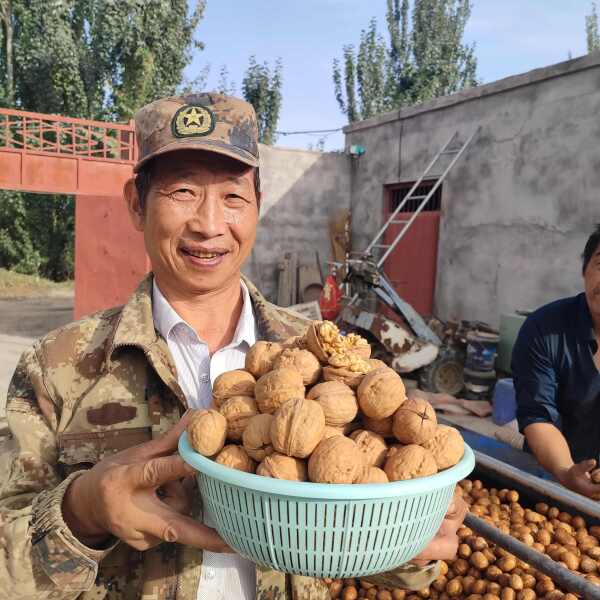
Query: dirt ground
[[23, 320]]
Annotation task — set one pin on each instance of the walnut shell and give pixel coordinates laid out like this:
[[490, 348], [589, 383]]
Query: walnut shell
[[281, 466], [337, 401], [377, 364], [257, 437], [447, 446], [347, 368], [356, 344], [372, 445], [260, 358], [206, 432], [415, 421], [381, 393], [235, 457], [381, 426], [277, 387], [232, 383], [409, 462], [335, 460], [304, 361], [331, 431], [297, 427], [372, 475], [323, 339], [238, 410]]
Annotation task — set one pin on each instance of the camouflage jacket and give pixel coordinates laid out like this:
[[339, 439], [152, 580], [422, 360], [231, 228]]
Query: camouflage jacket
[[83, 392]]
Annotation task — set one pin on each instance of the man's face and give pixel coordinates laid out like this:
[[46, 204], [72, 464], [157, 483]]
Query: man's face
[[199, 222], [591, 277]]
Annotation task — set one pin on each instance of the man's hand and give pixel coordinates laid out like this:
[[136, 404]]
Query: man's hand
[[578, 478], [445, 543], [140, 496]]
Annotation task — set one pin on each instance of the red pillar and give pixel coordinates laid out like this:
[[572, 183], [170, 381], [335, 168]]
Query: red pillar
[[110, 259]]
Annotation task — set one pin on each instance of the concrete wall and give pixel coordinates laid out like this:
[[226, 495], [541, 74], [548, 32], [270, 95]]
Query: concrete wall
[[300, 189], [518, 207]]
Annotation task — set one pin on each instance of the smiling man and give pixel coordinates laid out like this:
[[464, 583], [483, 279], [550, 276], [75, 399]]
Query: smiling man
[[555, 364], [95, 503]]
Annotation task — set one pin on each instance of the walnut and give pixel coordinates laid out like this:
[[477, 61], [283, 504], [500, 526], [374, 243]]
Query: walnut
[[260, 358], [206, 432], [281, 466], [381, 426], [372, 475], [337, 401], [331, 431], [372, 445], [297, 427], [376, 364], [409, 462], [276, 387], [356, 344], [232, 383], [335, 460], [381, 393], [415, 421], [235, 457], [304, 361], [257, 437], [323, 339], [447, 446], [347, 368], [238, 410]]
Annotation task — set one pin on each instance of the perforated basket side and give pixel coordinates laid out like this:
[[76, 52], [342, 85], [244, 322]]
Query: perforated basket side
[[322, 538]]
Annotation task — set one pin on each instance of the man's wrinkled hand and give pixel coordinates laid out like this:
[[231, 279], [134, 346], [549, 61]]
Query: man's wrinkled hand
[[141, 496], [445, 543]]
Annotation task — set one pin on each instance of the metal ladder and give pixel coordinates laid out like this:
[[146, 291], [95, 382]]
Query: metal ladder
[[378, 282], [447, 150]]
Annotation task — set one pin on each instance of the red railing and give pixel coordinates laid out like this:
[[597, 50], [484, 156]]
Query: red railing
[[48, 134]]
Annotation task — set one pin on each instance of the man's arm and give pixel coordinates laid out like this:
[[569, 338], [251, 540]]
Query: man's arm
[[536, 388], [552, 451], [35, 541]]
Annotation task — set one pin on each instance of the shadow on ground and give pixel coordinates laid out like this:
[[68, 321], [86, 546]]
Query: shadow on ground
[[34, 317]]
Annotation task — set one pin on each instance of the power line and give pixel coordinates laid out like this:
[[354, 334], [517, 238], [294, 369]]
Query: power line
[[309, 131]]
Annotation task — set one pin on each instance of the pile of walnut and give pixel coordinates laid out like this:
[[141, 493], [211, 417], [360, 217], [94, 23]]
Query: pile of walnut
[[317, 408], [482, 571]]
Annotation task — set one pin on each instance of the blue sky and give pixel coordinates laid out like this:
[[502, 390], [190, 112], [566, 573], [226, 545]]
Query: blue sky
[[512, 36]]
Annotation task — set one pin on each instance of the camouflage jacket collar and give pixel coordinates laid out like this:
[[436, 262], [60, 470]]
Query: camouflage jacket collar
[[135, 326]]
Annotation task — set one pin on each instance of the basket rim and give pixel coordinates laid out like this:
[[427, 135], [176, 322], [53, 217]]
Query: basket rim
[[327, 491]]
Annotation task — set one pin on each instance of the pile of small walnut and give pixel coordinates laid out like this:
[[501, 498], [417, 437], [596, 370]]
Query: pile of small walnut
[[317, 408], [482, 571]]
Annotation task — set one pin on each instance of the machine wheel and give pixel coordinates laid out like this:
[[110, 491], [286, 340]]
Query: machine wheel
[[445, 374]]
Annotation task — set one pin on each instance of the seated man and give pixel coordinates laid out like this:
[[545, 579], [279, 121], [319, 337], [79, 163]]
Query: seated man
[[93, 494], [555, 366]]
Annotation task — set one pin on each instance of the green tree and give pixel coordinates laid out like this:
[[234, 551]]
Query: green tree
[[96, 59], [591, 29], [424, 57], [261, 86]]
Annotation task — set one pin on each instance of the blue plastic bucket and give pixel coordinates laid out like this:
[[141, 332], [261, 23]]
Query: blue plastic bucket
[[324, 530]]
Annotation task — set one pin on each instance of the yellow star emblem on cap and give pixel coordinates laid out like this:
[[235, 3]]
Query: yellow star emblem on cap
[[192, 120]]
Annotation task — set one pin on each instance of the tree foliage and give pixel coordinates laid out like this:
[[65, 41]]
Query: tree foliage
[[95, 59], [591, 29], [261, 87], [424, 57]]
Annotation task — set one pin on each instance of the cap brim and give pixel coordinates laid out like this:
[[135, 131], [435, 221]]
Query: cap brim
[[217, 147]]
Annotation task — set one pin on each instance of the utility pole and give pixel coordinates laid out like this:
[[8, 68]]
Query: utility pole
[[6, 17]]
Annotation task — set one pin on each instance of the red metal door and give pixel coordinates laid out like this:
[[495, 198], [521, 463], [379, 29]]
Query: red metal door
[[411, 267]]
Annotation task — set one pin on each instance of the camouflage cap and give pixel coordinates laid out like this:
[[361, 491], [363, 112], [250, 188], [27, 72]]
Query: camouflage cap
[[202, 121]]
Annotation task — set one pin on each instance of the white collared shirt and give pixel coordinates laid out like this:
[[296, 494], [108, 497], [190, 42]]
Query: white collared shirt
[[224, 576]]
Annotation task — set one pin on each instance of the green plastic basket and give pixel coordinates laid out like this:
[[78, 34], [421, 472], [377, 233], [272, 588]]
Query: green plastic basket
[[324, 530]]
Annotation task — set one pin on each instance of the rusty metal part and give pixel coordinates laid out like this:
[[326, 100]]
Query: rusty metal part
[[566, 579]]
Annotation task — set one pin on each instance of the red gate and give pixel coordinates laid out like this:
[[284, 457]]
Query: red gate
[[411, 267]]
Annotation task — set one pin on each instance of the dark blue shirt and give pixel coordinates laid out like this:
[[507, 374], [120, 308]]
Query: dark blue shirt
[[556, 380]]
